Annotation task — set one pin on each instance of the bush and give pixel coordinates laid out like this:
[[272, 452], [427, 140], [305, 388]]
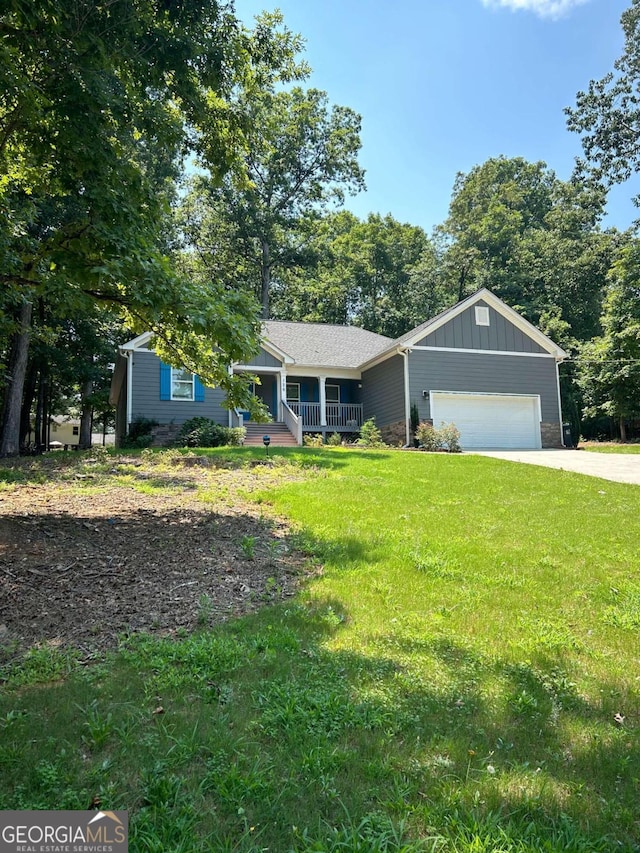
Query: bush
[[428, 436], [335, 440], [203, 432], [370, 435], [315, 440], [446, 438], [140, 433], [450, 437]]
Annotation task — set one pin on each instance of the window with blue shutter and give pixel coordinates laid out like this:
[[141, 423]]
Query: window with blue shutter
[[198, 389], [165, 381], [180, 385]]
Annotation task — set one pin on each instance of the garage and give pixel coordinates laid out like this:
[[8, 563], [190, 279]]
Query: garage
[[490, 420]]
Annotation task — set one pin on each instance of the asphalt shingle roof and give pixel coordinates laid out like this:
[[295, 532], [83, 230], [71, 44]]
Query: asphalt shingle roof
[[324, 345]]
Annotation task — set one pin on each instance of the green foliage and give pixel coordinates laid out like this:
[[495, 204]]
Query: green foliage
[[370, 435], [204, 432], [313, 439], [459, 677], [532, 239], [334, 440], [609, 366], [414, 417], [607, 115], [140, 433], [446, 437], [301, 156], [378, 273], [102, 104]]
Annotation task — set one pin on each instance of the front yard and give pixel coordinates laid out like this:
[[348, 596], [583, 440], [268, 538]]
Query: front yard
[[415, 652]]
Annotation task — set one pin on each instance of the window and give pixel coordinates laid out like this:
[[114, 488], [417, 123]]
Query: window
[[332, 393], [181, 384], [76, 430], [482, 315], [293, 392]]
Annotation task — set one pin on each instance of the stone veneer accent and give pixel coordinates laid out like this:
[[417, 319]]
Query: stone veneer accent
[[395, 434], [164, 435], [551, 434]]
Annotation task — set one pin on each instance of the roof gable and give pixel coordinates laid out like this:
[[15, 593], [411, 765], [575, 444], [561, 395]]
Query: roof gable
[[539, 341], [324, 345]]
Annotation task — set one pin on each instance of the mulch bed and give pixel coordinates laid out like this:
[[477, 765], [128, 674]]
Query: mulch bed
[[80, 566]]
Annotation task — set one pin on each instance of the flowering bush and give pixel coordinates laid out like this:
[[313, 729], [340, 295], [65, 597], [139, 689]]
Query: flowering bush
[[446, 438]]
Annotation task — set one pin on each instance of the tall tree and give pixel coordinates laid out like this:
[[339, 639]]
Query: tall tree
[[607, 115], [301, 157], [101, 101], [531, 238], [610, 364], [378, 273]]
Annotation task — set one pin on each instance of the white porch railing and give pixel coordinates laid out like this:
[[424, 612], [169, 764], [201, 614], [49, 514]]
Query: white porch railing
[[293, 421], [340, 416], [344, 415], [235, 418]]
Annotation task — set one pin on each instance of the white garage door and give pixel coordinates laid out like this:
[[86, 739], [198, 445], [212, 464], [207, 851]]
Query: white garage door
[[489, 420]]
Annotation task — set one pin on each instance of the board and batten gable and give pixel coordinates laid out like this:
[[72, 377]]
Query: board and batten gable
[[146, 402], [264, 359], [462, 332]]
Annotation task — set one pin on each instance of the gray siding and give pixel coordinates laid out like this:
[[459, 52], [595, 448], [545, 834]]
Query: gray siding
[[264, 359], [462, 332], [383, 392], [146, 400], [492, 374]]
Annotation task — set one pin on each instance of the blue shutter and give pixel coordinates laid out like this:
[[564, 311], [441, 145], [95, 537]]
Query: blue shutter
[[198, 390], [165, 381]]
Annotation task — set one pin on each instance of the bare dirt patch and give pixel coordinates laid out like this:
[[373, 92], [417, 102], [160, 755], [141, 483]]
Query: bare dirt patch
[[85, 557]]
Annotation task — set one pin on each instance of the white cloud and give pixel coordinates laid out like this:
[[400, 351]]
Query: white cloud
[[543, 8]]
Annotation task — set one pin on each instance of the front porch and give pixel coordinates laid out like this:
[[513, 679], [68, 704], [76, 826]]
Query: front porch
[[338, 417]]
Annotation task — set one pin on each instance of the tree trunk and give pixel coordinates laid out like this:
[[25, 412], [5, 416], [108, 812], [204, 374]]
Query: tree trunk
[[265, 282], [623, 429], [27, 402], [84, 439], [10, 436]]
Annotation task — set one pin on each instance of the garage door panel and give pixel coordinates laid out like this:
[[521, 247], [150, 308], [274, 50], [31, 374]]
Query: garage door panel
[[489, 420]]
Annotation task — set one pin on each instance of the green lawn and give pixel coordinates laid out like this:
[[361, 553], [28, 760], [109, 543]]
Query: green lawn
[[609, 447], [462, 676]]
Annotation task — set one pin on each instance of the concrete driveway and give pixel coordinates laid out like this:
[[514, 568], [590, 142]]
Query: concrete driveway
[[621, 467]]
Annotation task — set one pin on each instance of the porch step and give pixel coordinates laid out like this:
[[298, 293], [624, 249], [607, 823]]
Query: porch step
[[278, 432]]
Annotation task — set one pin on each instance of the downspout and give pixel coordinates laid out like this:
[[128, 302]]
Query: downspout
[[558, 363], [129, 358], [407, 405]]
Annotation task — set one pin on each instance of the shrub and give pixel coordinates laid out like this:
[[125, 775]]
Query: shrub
[[140, 433], [446, 438], [315, 440], [203, 432], [450, 437], [428, 436], [370, 435], [335, 439]]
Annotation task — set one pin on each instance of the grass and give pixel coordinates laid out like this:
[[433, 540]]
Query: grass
[[609, 447], [462, 677]]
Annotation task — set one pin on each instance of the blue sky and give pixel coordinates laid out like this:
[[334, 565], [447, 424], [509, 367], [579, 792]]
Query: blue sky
[[442, 85]]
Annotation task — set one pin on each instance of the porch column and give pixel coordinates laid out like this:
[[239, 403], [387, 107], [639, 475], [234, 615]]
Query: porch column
[[323, 400], [282, 393]]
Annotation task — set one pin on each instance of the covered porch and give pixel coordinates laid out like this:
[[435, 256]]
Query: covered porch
[[309, 404], [324, 404]]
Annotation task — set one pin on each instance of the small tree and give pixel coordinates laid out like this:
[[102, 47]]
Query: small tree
[[370, 435]]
